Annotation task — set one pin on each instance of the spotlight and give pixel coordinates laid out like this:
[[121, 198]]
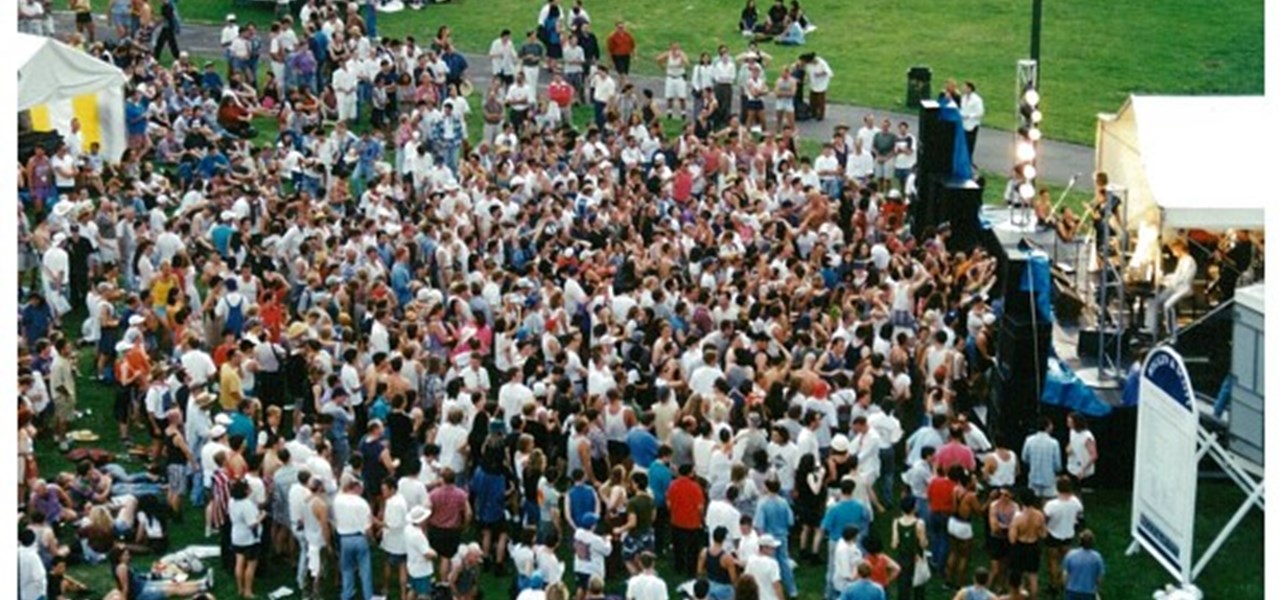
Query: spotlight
[[1025, 152], [1027, 191], [1029, 171], [1032, 97], [1034, 134], [1036, 116]]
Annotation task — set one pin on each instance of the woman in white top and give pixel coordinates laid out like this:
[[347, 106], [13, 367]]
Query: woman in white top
[[1082, 448], [246, 526]]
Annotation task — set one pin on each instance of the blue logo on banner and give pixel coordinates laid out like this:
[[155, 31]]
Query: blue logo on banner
[[1165, 369]]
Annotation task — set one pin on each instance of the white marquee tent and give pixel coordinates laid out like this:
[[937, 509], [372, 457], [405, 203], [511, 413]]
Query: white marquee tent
[[1158, 148], [57, 82]]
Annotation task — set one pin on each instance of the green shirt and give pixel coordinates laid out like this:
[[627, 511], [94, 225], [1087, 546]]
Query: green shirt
[[641, 505]]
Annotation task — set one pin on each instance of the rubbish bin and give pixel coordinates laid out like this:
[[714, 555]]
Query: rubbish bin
[[918, 85]]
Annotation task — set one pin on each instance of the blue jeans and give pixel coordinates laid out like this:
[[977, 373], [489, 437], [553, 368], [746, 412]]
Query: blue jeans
[[784, 565], [888, 467], [355, 555], [450, 152], [720, 591], [938, 541]]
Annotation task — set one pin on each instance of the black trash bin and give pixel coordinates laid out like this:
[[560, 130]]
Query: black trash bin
[[919, 81]]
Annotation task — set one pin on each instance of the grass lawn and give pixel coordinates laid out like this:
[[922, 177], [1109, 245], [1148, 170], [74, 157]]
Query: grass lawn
[[1236, 573], [1094, 52]]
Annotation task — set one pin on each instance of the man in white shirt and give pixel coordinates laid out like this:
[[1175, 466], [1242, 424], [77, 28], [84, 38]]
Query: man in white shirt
[[352, 522], [590, 550], [829, 173], [865, 444], [512, 397], [603, 89], [859, 165], [298, 495], [819, 74], [32, 578], [419, 556], [395, 510], [229, 34], [344, 88], [764, 568], [971, 112], [502, 58], [646, 585], [722, 513]]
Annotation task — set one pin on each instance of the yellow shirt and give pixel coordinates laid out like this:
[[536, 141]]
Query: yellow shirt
[[229, 391]]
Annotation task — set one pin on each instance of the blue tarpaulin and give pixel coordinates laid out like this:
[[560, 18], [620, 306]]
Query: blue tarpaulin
[[1062, 387], [1036, 277], [961, 166]]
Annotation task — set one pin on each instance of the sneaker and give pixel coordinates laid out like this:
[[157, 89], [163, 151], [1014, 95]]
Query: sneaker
[[64, 446]]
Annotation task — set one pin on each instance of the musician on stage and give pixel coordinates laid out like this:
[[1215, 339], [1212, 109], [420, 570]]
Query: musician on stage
[[1175, 287], [1233, 261]]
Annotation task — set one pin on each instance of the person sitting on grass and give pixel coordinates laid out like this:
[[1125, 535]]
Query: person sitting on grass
[[133, 585]]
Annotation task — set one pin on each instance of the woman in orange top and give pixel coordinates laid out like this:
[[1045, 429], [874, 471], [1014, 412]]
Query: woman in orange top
[[884, 570]]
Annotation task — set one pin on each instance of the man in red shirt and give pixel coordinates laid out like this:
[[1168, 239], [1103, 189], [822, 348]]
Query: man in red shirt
[[450, 516], [560, 92], [621, 46], [942, 504], [955, 452], [682, 184], [686, 501]]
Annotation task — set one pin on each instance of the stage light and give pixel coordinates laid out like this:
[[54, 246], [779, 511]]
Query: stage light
[[1036, 116], [1032, 97], [1025, 152], [1034, 134], [1027, 191], [1029, 171]]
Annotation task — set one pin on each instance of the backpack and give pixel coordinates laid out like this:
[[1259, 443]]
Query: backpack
[[234, 320]]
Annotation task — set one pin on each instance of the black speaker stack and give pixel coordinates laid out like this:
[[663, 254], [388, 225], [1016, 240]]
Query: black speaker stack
[[1022, 353], [940, 198]]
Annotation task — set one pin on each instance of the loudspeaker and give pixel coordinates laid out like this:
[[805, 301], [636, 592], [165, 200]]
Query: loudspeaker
[[961, 203], [1022, 351], [937, 142], [1067, 303]]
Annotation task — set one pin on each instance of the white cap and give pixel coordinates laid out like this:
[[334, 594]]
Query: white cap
[[217, 431], [768, 541], [839, 443], [222, 419], [231, 17]]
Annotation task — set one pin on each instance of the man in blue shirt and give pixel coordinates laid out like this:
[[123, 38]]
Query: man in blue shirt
[[401, 277], [659, 481], [845, 512], [1084, 569], [774, 517], [642, 443], [582, 499], [863, 588]]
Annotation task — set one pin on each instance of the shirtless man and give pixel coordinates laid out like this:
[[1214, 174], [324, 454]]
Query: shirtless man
[[960, 528], [1025, 533]]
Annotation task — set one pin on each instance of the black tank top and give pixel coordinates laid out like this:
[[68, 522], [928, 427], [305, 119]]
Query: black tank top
[[716, 572], [173, 454]]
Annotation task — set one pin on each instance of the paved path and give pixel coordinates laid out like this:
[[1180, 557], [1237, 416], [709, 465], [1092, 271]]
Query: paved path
[[1060, 160]]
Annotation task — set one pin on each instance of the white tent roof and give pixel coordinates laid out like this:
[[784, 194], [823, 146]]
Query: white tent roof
[[1156, 148], [53, 71]]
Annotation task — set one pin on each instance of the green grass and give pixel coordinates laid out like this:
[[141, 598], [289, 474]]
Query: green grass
[[1094, 52], [1237, 572]]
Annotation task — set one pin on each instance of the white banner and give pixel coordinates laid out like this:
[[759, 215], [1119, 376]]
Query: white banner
[[1164, 486]]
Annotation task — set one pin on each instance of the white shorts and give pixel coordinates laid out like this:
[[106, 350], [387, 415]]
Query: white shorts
[[313, 556], [676, 89], [785, 105], [961, 530]]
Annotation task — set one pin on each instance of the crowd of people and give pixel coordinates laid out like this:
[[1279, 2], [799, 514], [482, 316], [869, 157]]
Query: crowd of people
[[562, 356]]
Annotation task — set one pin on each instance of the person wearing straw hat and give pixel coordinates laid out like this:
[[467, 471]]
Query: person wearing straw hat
[[419, 556]]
